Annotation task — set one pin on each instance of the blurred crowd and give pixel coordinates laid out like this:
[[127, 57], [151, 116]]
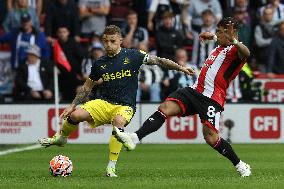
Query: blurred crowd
[[36, 34]]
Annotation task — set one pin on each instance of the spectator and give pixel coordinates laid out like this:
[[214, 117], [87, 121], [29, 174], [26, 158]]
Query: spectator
[[13, 18], [234, 93], [150, 83], [36, 4], [134, 36], [276, 55], [202, 50], [3, 11], [278, 9], [245, 30], [22, 37], [155, 12], [241, 6], [93, 15], [140, 7], [196, 8], [69, 80], [263, 35], [6, 77], [34, 79], [96, 51], [178, 79], [62, 12], [118, 12], [168, 39]]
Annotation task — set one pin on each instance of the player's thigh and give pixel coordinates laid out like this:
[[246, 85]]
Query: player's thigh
[[80, 115], [209, 114], [178, 103], [98, 110], [121, 115]]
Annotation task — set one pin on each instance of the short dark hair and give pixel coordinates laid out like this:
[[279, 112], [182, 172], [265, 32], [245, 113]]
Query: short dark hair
[[225, 22], [131, 12], [112, 30], [207, 12], [167, 14]]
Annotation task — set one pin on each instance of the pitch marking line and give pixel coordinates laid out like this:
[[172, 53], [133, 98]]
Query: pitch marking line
[[14, 150]]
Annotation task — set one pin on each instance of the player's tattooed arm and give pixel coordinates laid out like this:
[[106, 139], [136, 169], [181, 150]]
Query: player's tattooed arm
[[84, 91], [169, 64], [82, 96]]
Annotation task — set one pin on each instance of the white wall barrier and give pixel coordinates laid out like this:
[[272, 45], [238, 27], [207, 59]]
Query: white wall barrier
[[243, 123]]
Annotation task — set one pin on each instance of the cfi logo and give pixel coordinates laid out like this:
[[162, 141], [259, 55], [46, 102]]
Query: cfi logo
[[126, 61], [182, 127], [265, 123], [275, 92]]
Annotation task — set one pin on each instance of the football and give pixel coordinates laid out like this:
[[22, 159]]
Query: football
[[60, 166]]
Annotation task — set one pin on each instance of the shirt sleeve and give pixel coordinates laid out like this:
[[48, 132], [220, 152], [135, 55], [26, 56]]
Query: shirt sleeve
[[94, 75], [143, 57]]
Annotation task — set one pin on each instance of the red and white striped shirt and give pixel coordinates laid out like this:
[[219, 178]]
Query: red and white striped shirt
[[219, 69]]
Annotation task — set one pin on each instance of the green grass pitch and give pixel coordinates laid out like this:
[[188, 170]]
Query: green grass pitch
[[149, 166]]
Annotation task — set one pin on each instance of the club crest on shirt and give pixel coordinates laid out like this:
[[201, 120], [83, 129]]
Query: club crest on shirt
[[126, 61], [211, 57]]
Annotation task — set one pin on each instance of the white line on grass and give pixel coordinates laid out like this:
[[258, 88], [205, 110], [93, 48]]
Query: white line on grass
[[14, 150]]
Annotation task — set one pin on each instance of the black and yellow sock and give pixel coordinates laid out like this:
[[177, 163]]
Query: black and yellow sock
[[68, 127], [114, 148]]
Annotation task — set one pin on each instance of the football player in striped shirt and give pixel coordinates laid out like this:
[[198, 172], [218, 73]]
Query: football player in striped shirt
[[206, 97]]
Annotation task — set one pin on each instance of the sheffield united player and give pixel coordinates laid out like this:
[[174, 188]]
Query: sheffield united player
[[206, 97]]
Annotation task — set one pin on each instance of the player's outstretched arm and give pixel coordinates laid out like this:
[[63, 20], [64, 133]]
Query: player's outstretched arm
[[243, 51], [169, 64], [81, 96]]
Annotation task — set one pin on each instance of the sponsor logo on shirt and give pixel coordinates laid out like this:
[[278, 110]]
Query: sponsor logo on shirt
[[116, 75]]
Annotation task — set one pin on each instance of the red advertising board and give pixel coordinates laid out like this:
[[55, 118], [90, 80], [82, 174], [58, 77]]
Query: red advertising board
[[182, 127], [52, 124], [265, 123]]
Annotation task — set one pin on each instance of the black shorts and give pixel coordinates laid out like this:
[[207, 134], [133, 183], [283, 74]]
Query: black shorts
[[192, 102]]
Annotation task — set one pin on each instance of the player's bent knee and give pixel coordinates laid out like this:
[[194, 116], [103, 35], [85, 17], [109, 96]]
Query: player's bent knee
[[210, 136], [119, 121], [210, 140], [170, 108], [80, 115], [75, 117]]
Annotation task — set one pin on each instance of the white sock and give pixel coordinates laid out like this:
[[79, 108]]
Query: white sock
[[111, 164]]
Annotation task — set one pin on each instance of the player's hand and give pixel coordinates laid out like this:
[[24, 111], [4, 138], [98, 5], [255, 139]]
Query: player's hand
[[68, 111], [206, 36], [229, 32], [35, 95], [47, 94], [187, 70]]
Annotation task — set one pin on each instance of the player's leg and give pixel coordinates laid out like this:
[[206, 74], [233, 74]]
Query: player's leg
[[120, 116], [168, 108], [212, 138], [69, 125], [156, 120], [115, 146]]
